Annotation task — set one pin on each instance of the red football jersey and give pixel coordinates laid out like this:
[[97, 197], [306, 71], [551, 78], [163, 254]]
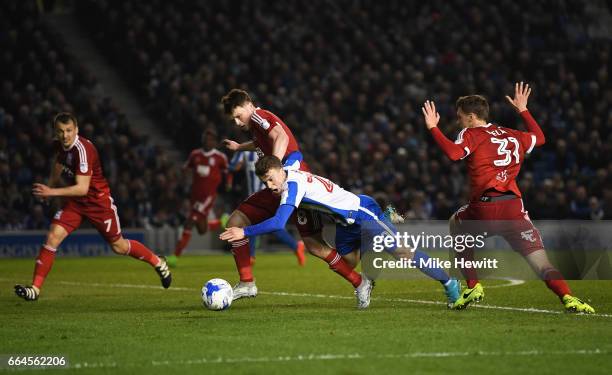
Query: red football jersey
[[262, 122], [494, 157], [207, 167], [82, 159]]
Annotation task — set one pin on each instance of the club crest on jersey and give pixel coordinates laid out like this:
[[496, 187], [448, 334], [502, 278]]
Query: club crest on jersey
[[58, 215], [260, 153], [301, 217], [502, 176], [528, 235]]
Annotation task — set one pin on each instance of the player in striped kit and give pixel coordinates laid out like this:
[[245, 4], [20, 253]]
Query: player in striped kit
[[353, 214], [87, 197], [246, 160]]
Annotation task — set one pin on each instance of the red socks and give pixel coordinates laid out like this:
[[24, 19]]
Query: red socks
[[242, 256], [471, 277], [182, 244], [555, 282], [214, 225], [44, 261], [141, 252], [339, 266]]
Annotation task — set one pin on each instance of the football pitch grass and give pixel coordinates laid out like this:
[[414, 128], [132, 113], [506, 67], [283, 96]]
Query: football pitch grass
[[109, 315]]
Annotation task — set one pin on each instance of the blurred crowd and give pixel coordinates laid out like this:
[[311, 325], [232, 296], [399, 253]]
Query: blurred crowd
[[349, 78]]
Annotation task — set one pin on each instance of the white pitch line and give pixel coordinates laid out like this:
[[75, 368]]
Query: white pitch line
[[330, 296], [511, 282], [332, 357]]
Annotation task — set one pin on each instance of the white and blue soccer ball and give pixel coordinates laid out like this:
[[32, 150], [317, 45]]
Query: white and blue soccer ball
[[217, 294]]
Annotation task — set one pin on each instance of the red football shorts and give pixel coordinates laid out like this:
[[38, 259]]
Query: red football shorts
[[506, 218], [263, 204], [201, 207], [101, 213]]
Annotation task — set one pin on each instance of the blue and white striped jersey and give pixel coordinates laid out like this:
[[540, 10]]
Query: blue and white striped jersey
[[248, 158]]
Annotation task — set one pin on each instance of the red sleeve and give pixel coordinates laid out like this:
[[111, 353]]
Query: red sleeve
[[264, 120], [534, 128], [86, 158], [452, 150]]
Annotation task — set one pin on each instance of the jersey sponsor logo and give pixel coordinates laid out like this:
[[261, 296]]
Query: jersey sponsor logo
[[528, 235], [203, 170], [329, 186]]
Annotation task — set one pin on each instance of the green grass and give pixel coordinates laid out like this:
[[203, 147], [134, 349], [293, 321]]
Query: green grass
[[90, 312]]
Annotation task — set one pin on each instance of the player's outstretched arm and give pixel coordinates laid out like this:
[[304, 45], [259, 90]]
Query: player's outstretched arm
[[273, 224], [519, 102], [77, 190], [235, 146], [432, 118]]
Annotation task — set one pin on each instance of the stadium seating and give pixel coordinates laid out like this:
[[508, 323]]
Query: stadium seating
[[349, 78]]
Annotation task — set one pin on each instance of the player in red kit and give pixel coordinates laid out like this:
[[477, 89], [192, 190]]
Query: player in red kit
[[87, 196], [207, 166], [270, 136], [494, 155]]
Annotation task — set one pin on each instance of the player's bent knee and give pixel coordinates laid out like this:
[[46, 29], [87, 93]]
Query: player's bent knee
[[120, 247], [316, 247], [56, 235], [238, 219]]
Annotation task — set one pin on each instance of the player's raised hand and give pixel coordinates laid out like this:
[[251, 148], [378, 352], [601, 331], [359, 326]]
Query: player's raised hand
[[41, 190], [431, 116], [231, 145], [521, 95], [232, 234]]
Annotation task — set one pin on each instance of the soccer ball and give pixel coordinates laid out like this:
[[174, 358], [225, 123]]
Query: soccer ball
[[217, 294]]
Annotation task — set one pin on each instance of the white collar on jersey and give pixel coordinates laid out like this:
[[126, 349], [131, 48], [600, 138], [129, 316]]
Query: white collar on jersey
[[483, 126], [210, 152], [72, 145]]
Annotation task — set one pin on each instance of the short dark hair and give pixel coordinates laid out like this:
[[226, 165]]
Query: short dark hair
[[64, 118], [210, 131], [476, 104], [265, 163], [233, 99]]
